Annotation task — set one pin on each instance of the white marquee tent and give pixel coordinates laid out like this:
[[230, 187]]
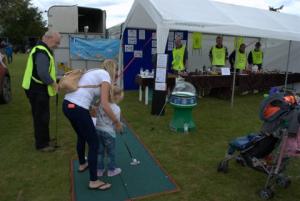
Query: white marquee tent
[[210, 17], [214, 18]]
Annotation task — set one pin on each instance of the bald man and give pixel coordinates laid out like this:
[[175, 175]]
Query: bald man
[[39, 82]]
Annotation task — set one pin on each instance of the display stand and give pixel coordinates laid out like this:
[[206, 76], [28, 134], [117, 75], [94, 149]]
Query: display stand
[[160, 85]]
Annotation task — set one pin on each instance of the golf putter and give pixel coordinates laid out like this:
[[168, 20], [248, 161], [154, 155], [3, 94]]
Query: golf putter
[[134, 161], [56, 123]]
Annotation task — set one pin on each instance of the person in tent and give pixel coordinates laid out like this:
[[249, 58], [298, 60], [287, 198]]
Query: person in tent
[[241, 62], [255, 57], [218, 54], [180, 56]]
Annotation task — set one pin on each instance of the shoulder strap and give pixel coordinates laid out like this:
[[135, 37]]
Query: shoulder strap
[[90, 86]]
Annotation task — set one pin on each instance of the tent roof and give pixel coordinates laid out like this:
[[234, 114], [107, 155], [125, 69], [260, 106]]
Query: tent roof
[[212, 17]]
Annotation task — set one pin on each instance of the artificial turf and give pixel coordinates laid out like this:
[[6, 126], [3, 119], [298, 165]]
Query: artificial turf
[[145, 179]]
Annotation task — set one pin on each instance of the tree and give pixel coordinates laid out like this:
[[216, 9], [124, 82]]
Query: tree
[[20, 20]]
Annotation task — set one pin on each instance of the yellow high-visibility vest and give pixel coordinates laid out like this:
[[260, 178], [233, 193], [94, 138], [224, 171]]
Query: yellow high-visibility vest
[[240, 61], [29, 67], [218, 56], [257, 57], [178, 56], [238, 40], [197, 40]]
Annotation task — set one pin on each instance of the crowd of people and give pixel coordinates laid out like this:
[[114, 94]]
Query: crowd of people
[[40, 83], [218, 56]]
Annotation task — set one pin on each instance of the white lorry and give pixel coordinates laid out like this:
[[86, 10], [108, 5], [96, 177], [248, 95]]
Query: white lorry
[[75, 21]]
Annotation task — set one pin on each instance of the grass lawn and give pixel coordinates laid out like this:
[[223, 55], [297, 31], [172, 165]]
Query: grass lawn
[[28, 175]]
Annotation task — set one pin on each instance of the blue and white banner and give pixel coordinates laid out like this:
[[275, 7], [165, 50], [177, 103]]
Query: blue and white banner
[[94, 49]]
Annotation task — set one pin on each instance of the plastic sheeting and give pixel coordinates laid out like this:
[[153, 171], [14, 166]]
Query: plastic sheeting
[[94, 49]]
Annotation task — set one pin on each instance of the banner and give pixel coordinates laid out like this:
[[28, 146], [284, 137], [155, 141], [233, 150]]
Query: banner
[[94, 49]]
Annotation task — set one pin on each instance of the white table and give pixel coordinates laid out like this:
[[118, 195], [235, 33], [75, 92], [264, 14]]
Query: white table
[[145, 82], [146, 89]]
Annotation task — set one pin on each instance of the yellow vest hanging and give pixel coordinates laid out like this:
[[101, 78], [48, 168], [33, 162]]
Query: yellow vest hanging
[[238, 40], [240, 61], [197, 40], [178, 56], [257, 57], [29, 67], [218, 56]]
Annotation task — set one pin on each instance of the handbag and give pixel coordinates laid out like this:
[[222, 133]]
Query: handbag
[[69, 82]]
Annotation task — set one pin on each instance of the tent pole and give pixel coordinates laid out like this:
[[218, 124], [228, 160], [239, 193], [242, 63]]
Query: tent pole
[[233, 86], [234, 77], [287, 66]]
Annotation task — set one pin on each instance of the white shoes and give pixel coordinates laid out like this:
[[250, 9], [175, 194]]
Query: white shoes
[[114, 172], [110, 173]]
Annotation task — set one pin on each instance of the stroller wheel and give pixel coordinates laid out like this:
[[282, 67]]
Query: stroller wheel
[[223, 166], [240, 161], [283, 181], [266, 194]]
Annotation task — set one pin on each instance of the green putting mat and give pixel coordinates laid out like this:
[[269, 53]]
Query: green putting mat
[[143, 180]]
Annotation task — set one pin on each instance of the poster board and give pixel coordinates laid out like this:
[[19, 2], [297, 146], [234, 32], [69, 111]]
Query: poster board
[[161, 72]]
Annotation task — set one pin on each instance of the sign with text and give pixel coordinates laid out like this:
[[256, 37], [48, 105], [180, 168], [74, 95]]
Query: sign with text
[[225, 71]]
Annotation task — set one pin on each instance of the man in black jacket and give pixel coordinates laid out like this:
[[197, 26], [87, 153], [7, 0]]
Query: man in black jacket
[[39, 82]]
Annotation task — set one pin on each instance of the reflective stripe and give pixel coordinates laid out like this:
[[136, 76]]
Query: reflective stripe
[[36, 80]]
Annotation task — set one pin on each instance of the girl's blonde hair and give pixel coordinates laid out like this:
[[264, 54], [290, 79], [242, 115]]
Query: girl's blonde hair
[[115, 91], [110, 66]]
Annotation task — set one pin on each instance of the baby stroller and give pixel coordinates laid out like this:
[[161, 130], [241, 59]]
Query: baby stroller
[[268, 151]]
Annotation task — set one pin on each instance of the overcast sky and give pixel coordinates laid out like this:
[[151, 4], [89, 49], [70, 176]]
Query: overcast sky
[[117, 10]]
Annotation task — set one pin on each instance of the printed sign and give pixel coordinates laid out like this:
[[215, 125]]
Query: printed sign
[[162, 60], [142, 34], [154, 35], [171, 36], [170, 46], [138, 54], [132, 41], [160, 75], [153, 50], [131, 33], [225, 71], [128, 48], [154, 43], [160, 86]]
